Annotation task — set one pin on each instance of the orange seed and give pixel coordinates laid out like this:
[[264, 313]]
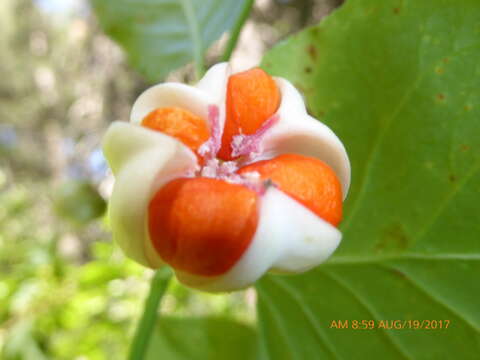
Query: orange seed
[[308, 180], [202, 226], [187, 127], [252, 98]]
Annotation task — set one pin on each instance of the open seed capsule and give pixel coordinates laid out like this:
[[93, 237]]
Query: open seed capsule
[[226, 180]]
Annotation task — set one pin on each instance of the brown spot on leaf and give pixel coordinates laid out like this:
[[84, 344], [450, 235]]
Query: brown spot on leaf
[[393, 238], [452, 178], [396, 10], [399, 273], [467, 107], [464, 147], [440, 97], [446, 60], [312, 51], [308, 69], [439, 70]]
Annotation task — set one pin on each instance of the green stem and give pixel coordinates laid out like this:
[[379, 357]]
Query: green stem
[[235, 33], [145, 327]]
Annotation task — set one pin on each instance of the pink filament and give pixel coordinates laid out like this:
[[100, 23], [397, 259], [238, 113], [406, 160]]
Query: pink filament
[[246, 146], [250, 144], [210, 148]]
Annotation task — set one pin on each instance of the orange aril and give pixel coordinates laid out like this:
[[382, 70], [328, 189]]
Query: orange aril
[[308, 180], [187, 127], [202, 226], [252, 98]]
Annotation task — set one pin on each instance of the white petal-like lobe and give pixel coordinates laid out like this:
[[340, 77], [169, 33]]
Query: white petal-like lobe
[[299, 133], [171, 95], [214, 82], [308, 239], [289, 238], [142, 160]]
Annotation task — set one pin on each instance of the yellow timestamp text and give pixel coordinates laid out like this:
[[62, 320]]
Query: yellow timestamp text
[[390, 324]]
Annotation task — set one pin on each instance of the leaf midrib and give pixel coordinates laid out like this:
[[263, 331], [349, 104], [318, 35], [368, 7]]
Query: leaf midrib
[[194, 27]]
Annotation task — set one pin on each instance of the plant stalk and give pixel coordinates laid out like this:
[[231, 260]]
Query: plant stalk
[[146, 325]]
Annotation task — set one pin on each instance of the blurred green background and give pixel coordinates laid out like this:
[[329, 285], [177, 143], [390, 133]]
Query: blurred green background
[[67, 292]]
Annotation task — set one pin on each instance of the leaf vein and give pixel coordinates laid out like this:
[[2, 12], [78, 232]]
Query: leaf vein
[[381, 135], [194, 28], [433, 296], [270, 305], [450, 196], [357, 260], [375, 151]]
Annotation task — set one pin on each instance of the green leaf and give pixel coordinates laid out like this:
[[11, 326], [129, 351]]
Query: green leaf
[[399, 82], [201, 339], [163, 35]]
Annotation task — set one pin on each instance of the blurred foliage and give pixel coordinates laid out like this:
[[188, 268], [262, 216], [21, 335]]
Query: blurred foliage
[[78, 202], [167, 33]]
